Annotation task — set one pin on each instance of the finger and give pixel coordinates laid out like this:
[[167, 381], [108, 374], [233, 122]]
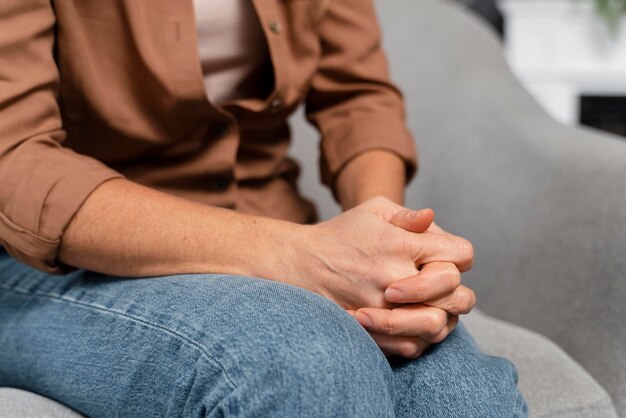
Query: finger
[[413, 220], [415, 320], [459, 302], [411, 347], [407, 347], [433, 247], [453, 320], [434, 280]]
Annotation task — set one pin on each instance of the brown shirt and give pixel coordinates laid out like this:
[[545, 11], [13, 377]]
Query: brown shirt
[[92, 90]]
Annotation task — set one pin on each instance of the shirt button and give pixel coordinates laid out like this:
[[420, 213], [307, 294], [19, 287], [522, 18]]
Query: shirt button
[[219, 183], [275, 27], [275, 105]]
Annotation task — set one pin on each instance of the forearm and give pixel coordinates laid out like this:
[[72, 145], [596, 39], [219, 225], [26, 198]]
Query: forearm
[[371, 174], [125, 229]]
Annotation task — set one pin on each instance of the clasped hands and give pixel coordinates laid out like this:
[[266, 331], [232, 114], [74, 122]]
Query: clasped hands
[[401, 275]]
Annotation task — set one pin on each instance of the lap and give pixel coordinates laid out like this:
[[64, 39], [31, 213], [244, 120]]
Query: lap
[[204, 342], [87, 333]]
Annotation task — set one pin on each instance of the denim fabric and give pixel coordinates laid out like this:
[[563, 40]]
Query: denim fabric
[[220, 345]]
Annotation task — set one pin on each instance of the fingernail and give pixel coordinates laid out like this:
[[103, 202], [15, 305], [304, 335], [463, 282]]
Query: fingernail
[[394, 295], [363, 319]]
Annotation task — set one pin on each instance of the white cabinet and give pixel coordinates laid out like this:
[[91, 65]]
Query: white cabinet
[[561, 49]]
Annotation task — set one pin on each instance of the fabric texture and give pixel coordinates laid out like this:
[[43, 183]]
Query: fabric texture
[[93, 90], [215, 345], [17, 403], [553, 384]]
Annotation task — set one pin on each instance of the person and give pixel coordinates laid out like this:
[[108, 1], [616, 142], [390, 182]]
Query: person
[[159, 260]]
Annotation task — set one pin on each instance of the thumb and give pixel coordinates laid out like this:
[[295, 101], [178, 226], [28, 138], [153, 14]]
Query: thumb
[[412, 220]]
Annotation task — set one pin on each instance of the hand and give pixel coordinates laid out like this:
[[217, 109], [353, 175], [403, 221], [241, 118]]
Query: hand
[[410, 329], [436, 284], [355, 256]]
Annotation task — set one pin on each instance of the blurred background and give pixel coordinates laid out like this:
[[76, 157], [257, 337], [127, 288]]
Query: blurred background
[[570, 54]]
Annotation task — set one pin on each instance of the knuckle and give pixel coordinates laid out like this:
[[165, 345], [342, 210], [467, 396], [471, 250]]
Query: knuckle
[[389, 327], [417, 354], [453, 275], [373, 301], [443, 334], [439, 337], [467, 249], [471, 295], [462, 300], [435, 321], [408, 349]]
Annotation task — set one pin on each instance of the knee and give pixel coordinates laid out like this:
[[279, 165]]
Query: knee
[[457, 376], [282, 348], [494, 384], [485, 386], [317, 362]]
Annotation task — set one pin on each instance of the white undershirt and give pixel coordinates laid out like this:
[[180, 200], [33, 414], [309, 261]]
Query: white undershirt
[[233, 50]]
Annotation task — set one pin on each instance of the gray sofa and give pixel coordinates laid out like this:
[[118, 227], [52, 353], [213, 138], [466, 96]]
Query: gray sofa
[[544, 205]]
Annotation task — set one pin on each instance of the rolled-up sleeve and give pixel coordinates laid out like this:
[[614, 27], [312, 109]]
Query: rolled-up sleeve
[[42, 183], [351, 100]]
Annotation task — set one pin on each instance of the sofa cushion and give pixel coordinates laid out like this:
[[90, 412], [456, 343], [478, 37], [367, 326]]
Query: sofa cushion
[[23, 404], [553, 384]]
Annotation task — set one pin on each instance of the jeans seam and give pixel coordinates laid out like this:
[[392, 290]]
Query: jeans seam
[[141, 321]]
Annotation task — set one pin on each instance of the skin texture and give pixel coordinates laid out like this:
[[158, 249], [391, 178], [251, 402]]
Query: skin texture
[[371, 174], [128, 230]]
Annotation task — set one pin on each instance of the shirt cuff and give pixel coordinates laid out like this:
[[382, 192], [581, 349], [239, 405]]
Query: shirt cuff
[[32, 226], [354, 136]]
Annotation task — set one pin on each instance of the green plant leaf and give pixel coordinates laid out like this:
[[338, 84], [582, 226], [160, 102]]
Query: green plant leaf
[[611, 11]]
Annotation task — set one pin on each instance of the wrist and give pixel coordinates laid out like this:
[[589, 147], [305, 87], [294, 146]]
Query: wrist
[[371, 174], [280, 251]]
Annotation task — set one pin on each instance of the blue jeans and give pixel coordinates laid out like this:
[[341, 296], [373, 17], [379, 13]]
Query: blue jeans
[[220, 345]]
